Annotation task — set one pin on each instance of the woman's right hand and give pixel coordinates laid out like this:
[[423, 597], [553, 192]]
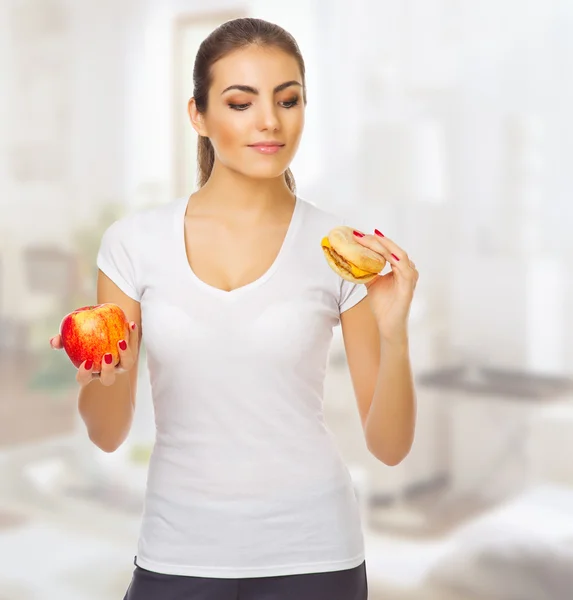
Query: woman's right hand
[[127, 359]]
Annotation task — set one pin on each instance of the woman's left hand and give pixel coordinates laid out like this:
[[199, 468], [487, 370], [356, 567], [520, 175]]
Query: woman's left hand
[[391, 294]]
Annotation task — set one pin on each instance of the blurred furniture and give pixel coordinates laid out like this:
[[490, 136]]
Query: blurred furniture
[[31, 415], [521, 549], [491, 415], [14, 335], [14, 331], [43, 277], [550, 446], [50, 270], [51, 278]]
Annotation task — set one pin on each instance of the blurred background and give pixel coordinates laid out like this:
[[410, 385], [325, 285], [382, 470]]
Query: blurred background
[[446, 124]]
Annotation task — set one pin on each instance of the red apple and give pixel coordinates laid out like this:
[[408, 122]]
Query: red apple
[[90, 332]]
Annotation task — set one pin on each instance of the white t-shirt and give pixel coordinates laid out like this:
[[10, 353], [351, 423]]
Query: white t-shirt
[[245, 478]]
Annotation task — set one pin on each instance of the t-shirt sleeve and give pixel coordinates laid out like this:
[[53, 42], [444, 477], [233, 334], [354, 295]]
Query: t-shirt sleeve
[[350, 293], [116, 258]]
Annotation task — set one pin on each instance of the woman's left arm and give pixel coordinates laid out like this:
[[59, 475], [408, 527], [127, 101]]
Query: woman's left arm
[[375, 333]]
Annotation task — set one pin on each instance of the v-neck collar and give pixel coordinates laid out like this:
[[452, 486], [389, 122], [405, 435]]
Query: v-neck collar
[[240, 291]]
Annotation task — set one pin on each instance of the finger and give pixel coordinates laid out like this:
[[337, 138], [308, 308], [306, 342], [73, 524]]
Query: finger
[[392, 246], [107, 375], [85, 374], [133, 341], [399, 254], [378, 245], [414, 272], [129, 357], [400, 262], [126, 355], [56, 342]]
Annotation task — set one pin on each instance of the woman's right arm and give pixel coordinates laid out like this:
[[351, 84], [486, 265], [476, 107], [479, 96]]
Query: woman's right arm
[[107, 404]]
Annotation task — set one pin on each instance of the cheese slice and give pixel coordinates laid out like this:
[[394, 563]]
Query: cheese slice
[[353, 269], [358, 272]]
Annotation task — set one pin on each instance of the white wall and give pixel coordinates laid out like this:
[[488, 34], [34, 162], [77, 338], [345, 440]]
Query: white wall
[[375, 69]]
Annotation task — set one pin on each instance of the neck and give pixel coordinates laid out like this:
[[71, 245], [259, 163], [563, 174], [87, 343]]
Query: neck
[[231, 192]]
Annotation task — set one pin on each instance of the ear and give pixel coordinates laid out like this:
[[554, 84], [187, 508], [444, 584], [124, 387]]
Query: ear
[[197, 119]]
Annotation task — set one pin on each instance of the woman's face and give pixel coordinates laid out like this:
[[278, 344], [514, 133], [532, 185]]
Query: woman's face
[[256, 97]]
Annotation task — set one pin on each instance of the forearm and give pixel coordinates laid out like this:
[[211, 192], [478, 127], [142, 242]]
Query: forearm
[[391, 419], [107, 411]]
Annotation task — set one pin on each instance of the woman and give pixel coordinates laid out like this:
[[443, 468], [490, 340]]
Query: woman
[[247, 495]]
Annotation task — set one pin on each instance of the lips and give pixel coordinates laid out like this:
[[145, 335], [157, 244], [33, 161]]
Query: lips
[[268, 148], [266, 145]]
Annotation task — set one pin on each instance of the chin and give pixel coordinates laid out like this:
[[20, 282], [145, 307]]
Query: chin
[[268, 172]]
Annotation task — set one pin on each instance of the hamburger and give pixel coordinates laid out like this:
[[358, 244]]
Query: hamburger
[[348, 258]]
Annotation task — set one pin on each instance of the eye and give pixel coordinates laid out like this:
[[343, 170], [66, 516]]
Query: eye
[[290, 103], [238, 106], [286, 104]]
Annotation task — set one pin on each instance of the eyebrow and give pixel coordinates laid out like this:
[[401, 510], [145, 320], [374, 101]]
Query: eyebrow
[[252, 90]]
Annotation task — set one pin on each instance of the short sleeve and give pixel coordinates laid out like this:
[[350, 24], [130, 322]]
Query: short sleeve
[[116, 258], [350, 294]]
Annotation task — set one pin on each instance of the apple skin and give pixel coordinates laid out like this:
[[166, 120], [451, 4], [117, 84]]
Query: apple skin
[[90, 332]]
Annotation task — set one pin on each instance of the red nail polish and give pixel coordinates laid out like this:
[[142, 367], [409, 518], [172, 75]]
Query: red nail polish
[[395, 257], [378, 233], [358, 234], [89, 364], [123, 345], [133, 326], [108, 358]]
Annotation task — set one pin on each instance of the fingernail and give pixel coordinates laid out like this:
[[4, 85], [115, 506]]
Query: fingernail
[[123, 345], [133, 326], [395, 257], [378, 233], [89, 364], [108, 358], [358, 234]]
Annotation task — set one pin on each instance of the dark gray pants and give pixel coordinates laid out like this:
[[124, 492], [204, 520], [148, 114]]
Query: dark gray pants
[[348, 584]]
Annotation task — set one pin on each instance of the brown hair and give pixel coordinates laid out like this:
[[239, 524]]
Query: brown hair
[[229, 36]]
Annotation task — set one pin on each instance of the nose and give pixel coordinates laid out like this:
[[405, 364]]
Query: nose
[[267, 117]]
